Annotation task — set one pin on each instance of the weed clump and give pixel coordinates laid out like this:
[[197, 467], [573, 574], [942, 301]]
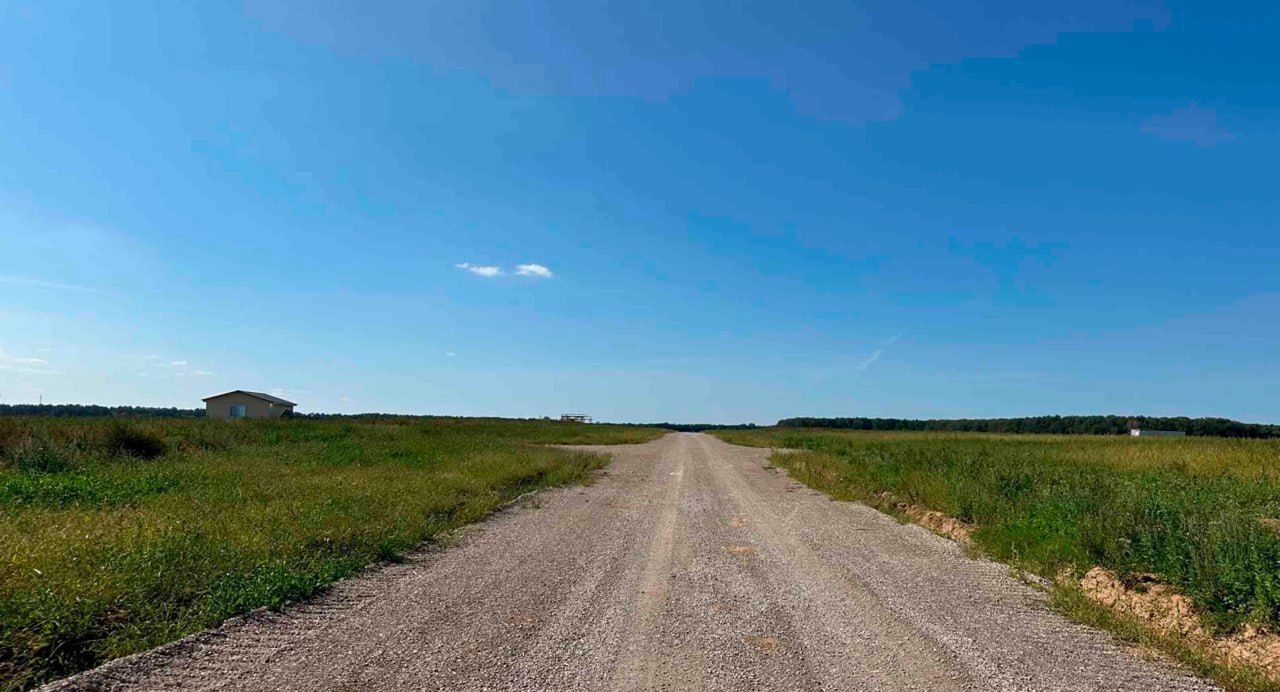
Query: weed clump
[[12, 433], [38, 454], [123, 439]]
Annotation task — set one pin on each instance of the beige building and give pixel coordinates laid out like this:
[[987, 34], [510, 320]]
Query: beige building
[[242, 404]]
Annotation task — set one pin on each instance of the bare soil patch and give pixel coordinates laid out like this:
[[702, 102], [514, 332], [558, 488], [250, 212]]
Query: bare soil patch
[[933, 520], [1168, 612]]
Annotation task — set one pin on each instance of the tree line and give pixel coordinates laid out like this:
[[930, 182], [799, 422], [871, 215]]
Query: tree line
[[93, 410], [1054, 425], [700, 427]]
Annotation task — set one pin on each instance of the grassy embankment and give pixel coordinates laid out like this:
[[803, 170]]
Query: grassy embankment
[[118, 536], [1197, 512]]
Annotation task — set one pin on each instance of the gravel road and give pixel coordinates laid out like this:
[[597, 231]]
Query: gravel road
[[688, 566]]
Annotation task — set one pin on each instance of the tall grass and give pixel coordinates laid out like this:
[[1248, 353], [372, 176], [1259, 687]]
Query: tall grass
[[118, 536], [1197, 512]]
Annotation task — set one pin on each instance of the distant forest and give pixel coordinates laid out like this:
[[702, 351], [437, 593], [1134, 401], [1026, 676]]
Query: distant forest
[[91, 410], [1054, 425], [699, 427]]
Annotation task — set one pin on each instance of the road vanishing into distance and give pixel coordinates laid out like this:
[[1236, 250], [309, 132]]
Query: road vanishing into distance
[[689, 565]]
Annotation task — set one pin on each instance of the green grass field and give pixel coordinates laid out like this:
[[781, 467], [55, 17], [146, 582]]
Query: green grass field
[[118, 536], [1194, 511]]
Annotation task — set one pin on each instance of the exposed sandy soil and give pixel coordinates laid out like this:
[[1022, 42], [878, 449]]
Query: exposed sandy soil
[[1169, 612], [933, 520], [687, 567]]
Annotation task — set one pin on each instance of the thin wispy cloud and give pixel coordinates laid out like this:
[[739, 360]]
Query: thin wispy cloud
[[876, 354], [193, 373], [11, 359], [450, 354], [30, 371], [44, 283], [487, 271], [534, 270], [1192, 123], [179, 368]]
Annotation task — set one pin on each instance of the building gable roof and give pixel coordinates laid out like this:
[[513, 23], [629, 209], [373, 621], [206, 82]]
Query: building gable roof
[[259, 395]]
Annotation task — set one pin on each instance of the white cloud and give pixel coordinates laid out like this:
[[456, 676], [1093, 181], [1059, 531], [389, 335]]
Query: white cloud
[[534, 270], [486, 271], [490, 271], [177, 363], [451, 354]]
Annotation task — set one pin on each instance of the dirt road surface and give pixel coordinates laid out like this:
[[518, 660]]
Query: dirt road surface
[[688, 566]]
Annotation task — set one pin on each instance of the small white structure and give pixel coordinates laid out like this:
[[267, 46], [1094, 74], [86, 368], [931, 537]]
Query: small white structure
[[575, 417], [1139, 432]]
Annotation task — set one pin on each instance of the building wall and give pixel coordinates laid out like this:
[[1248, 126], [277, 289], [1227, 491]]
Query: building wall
[[254, 407]]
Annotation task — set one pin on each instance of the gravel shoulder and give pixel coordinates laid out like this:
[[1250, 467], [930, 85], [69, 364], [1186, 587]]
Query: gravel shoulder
[[688, 566]]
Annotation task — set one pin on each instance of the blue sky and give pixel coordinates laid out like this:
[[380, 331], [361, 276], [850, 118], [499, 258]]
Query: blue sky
[[736, 211]]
